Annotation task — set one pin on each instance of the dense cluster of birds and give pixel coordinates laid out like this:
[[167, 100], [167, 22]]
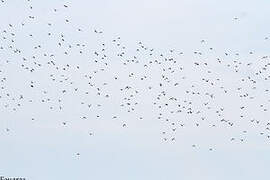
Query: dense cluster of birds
[[179, 89]]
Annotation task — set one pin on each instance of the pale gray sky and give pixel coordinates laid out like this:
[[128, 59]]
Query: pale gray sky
[[44, 149]]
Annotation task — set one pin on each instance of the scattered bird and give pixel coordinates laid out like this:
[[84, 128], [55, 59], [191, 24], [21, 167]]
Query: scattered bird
[[114, 83]]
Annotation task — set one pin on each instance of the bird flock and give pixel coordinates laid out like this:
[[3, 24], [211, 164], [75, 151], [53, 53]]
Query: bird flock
[[59, 70]]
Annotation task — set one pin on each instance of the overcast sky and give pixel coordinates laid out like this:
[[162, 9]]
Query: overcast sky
[[42, 149]]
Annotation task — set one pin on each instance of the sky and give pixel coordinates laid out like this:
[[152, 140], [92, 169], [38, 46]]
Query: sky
[[42, 149]]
